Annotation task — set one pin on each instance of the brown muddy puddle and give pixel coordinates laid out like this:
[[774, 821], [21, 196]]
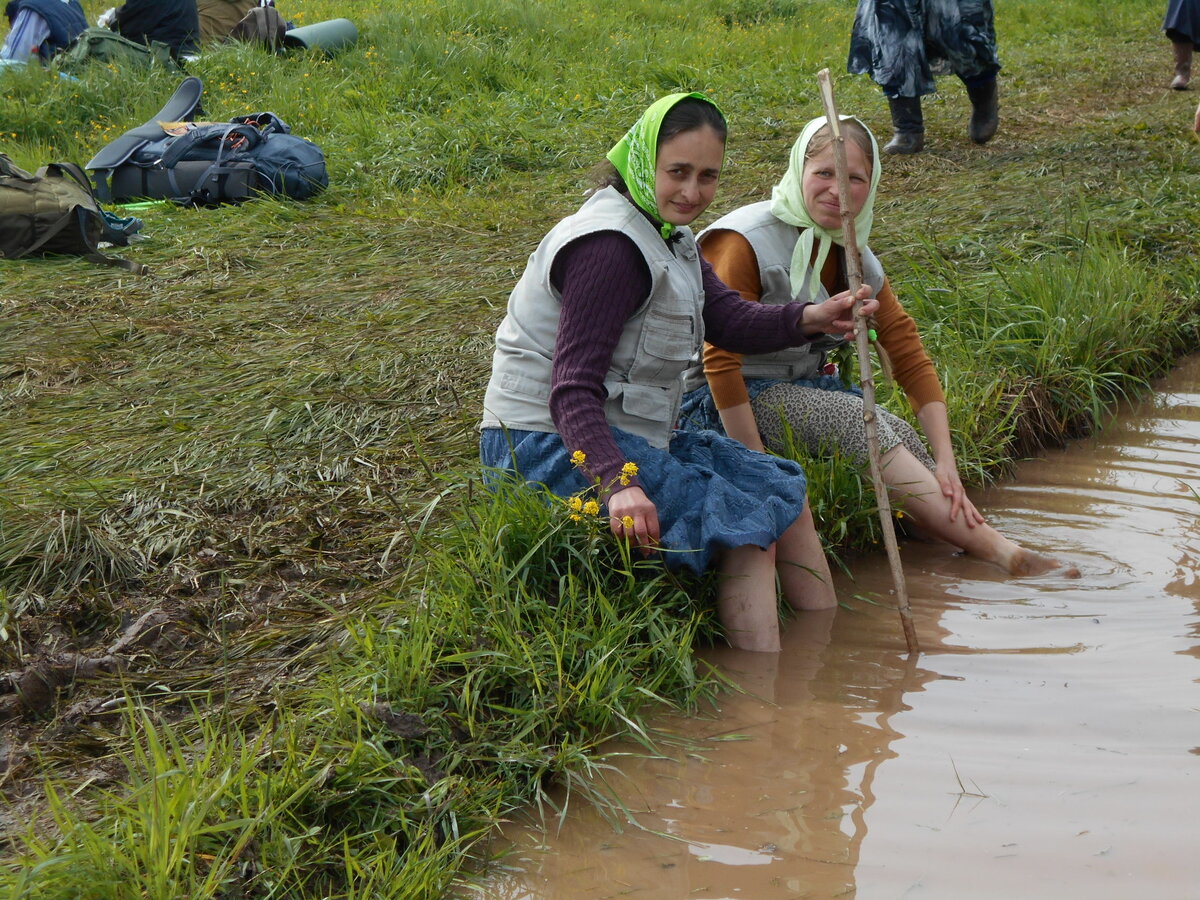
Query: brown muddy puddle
[[1045, 743]]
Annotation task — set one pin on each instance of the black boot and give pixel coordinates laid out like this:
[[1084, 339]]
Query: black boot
[[985, 111], [908, 125]]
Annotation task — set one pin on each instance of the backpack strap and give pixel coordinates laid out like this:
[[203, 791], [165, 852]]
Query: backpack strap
[[220, 165], [180, 146], [10, 169], [265, 122], [74, 172], [51, 232], [116, 261], [127, 264]]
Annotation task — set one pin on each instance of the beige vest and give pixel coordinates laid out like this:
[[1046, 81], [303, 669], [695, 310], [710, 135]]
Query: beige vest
[[773, 242], [644, 381]]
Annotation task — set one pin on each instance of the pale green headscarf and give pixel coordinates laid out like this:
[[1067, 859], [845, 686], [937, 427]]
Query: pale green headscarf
[[635, 156], [787, 205]]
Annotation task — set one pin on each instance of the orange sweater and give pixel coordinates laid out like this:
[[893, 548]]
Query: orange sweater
[[733, 260]]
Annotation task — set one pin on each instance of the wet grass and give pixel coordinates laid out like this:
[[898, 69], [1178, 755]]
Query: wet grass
[[237, 495]]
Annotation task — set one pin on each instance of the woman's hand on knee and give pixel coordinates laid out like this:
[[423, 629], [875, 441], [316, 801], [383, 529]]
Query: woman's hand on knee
[[633, 516], [960, 503]]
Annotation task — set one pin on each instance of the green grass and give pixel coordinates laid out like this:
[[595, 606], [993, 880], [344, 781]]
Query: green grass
[[367, 659], [534, 639]]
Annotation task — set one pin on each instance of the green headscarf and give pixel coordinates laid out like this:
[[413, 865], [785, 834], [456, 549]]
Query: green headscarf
[[787, 205], [635, 156]]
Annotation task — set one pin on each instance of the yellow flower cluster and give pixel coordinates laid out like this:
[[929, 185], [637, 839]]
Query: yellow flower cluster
[[628, 470], [580, 508], [627, 521], [578, 458]]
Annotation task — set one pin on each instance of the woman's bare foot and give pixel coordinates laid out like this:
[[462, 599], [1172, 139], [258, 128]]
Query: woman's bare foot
[[1025, 563]]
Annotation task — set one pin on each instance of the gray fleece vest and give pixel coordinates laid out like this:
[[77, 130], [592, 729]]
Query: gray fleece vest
[[644, 381], [773, 242]]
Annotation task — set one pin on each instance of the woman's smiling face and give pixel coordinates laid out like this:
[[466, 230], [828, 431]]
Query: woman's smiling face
[[686, 174], [820, 190]]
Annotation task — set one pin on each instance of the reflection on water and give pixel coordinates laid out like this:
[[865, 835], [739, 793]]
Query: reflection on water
[[1044, 743]]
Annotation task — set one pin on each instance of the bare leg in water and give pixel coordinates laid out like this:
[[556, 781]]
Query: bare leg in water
[[746, 599], [917, 490], [747, 602], [803, 570]]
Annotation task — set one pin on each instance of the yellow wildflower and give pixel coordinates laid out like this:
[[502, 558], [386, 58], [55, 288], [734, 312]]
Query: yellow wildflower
[[576, 503], [578, 458], [627, 472], [576, 517], [627, 521], [592, 508]]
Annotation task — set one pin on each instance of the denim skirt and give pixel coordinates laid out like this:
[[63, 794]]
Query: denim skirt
[[711, 493]]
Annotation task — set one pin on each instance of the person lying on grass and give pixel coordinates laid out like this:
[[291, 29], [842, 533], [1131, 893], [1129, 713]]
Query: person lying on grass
[[772, 252], [587, 377]]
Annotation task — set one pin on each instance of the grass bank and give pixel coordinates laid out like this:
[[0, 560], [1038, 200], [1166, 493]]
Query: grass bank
[[319, 661]]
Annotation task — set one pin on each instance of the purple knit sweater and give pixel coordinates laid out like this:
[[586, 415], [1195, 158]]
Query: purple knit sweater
[[603, 279]]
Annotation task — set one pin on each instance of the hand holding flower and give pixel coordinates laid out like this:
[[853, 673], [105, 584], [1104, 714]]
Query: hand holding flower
[[632, 515]]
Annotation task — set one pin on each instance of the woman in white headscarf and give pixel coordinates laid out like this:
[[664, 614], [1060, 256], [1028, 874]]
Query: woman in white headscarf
[[789, 248]]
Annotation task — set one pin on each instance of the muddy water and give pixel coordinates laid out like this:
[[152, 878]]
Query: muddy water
[[1045, 743]]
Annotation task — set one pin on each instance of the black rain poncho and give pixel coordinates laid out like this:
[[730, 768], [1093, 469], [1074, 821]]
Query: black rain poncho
[[903, 44]]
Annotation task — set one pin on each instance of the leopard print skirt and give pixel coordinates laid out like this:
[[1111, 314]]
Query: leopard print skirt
[[822, 420]]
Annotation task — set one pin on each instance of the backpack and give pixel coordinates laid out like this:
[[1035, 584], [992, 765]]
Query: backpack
[[261, 25], [98, 44], [54, 211], [208, 163]]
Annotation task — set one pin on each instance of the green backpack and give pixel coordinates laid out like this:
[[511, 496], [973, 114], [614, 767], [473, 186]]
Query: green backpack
[[54, 211], [98, 44]]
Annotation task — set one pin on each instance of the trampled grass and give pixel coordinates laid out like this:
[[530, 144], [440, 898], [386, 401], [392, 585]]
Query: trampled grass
[[358, 663]]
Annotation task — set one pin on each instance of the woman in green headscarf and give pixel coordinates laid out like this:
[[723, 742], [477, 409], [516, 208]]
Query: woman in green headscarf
[[790, 248], [587, 378]]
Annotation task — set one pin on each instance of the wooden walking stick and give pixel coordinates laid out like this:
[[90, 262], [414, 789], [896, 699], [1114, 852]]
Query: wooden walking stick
[[865, 371]]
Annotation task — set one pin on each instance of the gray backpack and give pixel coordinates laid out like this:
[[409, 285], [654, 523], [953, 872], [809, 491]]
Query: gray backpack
[[207, 163]]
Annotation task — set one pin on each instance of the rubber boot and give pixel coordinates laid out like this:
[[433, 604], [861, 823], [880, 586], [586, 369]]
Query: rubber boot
[[985, 111], [908, 125], [1183, 65]]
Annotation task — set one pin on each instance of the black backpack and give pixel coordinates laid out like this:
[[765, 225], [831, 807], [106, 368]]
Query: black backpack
[[208, 163], [52, 211]]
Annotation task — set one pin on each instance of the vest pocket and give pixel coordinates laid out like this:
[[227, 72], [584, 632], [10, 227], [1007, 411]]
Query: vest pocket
[[515, 383], [650, 403], [669, 337], [643, 410]]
